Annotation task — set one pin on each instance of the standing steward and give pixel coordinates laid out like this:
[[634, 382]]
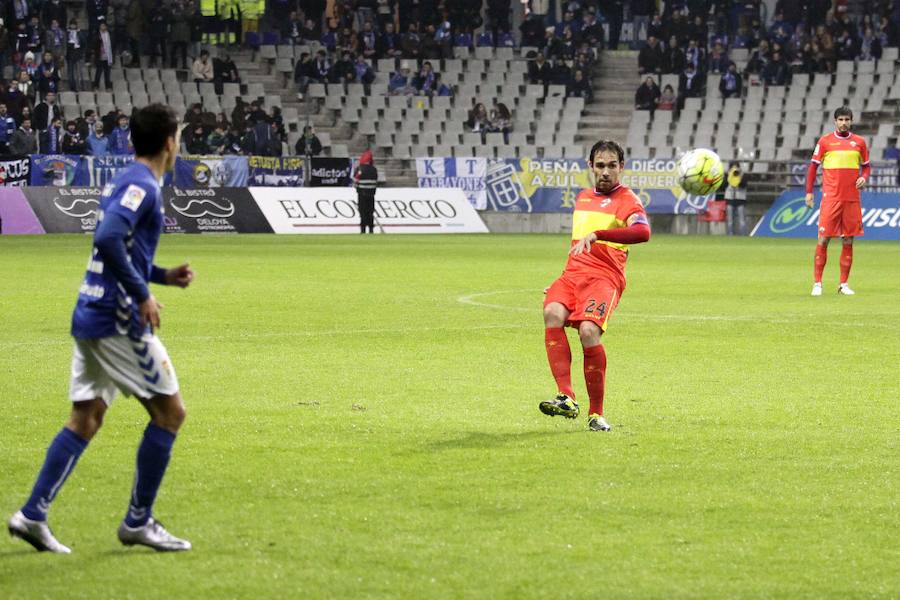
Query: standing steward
[[366, 182]]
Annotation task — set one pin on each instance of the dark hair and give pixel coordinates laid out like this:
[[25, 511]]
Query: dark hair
[[608, 146], [843, 111], [151, 126]]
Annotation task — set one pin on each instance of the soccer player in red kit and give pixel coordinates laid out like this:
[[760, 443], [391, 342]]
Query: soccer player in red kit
[[606, 219], [842, 154]]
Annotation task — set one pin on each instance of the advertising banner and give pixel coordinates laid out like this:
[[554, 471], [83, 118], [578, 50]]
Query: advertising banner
[[97, 171], [551, 185], [192, 172], [16, 216], [65, 209], [330, 172], [466, 174], [54, 169], [213, 210], [15, 170], [276, 171], [790, 217], [397, 210]]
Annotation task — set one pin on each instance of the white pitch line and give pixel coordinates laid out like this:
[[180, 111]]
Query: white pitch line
[[470, 299]]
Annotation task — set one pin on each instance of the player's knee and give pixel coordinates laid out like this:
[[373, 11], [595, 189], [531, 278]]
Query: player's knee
[[174, 416], [87, 418], [589, 333], [554, 315]]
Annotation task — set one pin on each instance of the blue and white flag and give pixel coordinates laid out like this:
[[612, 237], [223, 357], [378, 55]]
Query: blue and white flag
[[467, 174], [193, 172]]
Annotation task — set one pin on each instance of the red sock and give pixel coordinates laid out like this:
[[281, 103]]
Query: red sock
[[559, 356], [819, 263], [846, 262], [595, 376]]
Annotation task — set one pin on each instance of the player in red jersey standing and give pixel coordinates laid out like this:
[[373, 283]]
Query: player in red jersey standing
[[605, 220], [841, 155]]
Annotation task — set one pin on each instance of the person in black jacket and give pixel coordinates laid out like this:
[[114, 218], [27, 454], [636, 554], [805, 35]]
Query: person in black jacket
[[647, 95], [46, 112], [366, 182], [50, 140], [72, 142], [76, 51], [308, 144], [651, 58]]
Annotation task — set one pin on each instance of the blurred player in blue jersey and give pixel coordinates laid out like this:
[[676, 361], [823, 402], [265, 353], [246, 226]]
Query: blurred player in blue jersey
[[115, 346]]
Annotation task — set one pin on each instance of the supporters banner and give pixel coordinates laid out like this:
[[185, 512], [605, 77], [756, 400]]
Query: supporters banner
[[15, 171], [192, 172], [532, 185], [397, 210], [97, 171], [65, 209], [276, 171], [551, 185], [655, 181], [790, 217], [16, 216], [212, 210], [54, 169], [466, 174], [329, 172]]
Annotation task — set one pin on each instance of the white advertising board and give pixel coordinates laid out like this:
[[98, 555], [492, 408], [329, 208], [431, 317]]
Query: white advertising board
[[397, 210]]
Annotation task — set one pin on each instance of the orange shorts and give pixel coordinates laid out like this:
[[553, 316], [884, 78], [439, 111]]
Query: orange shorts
[[840, 219], [586, 298]]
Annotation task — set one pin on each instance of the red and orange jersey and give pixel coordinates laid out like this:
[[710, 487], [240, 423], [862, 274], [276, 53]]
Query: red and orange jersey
[[841, 159], [595, 211]]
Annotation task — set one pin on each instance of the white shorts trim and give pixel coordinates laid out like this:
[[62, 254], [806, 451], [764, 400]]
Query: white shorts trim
[[136, 368]]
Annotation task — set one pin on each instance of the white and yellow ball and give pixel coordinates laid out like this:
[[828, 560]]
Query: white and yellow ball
[[700, 172]]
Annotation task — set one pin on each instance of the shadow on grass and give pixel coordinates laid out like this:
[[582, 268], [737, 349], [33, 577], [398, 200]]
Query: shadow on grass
[[481, 439]]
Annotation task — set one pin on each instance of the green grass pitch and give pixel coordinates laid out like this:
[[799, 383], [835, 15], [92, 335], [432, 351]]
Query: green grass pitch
[[362, 422]]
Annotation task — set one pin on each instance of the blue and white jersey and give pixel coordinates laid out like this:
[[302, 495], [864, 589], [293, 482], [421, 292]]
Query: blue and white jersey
[[129, 223]]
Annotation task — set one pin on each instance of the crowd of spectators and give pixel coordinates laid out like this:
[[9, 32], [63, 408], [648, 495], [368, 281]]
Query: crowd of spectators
[[44, 129], [249, 130], [695, 40], [46, 50]]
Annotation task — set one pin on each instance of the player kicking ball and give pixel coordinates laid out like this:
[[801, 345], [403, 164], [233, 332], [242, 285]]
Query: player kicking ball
[[605, 221], [841, 155], [115, 347]]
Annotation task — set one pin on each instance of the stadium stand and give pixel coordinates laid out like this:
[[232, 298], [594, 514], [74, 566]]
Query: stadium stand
[[765, 123]]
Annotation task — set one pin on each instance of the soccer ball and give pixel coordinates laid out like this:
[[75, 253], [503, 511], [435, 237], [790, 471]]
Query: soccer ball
[[700, 172]]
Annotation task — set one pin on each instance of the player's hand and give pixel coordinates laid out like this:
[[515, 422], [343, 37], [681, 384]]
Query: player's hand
[[149, 311], [583, 245], [860, 183], [182, 276], [809, 200]]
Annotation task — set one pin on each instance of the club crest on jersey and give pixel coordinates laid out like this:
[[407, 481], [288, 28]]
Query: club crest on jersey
[[853, 144], [132, 197], [605, 202]]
